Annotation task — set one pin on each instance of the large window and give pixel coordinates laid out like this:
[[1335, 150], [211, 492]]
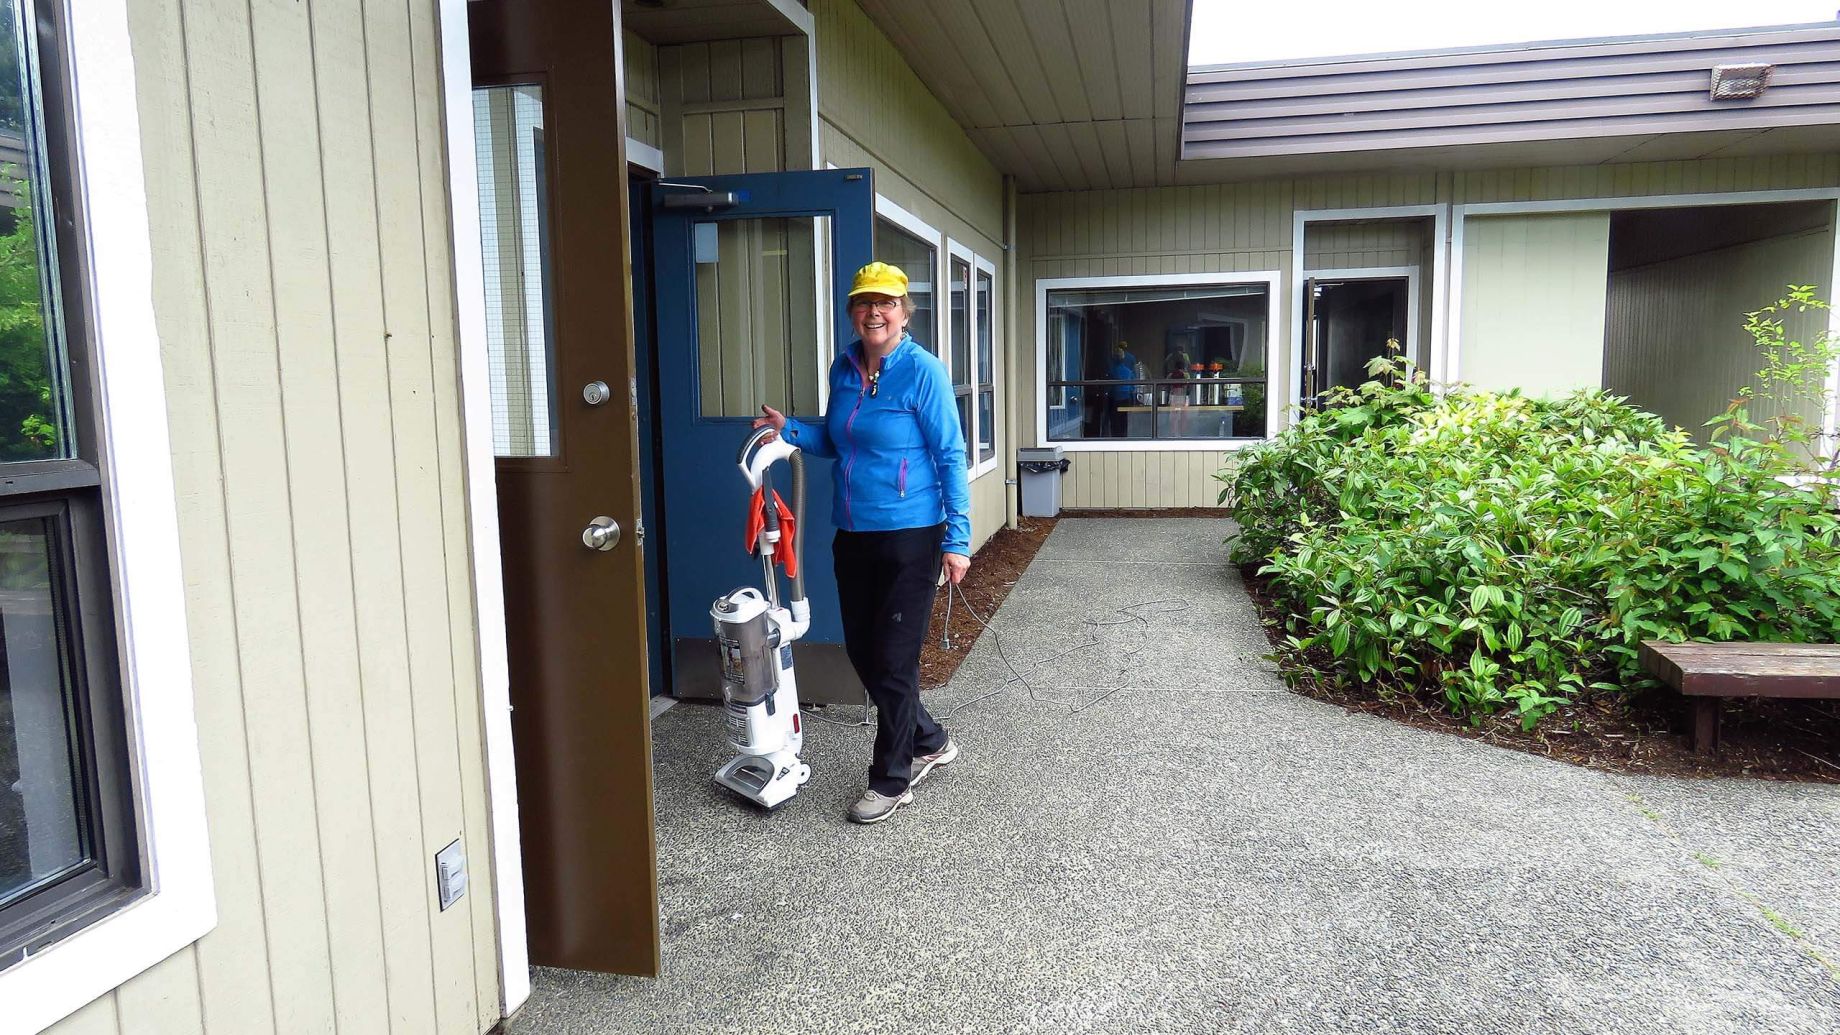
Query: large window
[[69, 850], [920, 261], [1170, 361], [965, 339]]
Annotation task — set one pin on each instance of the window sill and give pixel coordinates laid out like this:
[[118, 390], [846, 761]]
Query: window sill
[[1148, 445], [48, 986]]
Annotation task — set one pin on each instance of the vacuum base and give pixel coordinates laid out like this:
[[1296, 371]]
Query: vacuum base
[[768, 781]]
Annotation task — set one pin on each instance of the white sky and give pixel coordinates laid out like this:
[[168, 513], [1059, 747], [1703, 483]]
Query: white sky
[[1234, 30]]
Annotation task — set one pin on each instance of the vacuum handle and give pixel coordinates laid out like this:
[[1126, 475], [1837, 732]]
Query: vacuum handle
[[767, 509], [757, 454]]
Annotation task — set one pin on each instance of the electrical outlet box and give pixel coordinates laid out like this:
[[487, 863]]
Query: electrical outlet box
[[450, 873]]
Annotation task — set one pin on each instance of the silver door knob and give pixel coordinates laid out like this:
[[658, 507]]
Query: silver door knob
[[603, 533], [596, 392]]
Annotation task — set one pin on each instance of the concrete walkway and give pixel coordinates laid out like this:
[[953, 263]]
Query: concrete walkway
[[1199, 851]]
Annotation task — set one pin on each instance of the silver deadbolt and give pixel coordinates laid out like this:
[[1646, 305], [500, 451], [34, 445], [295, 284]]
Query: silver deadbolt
[[603, 533], [596, 392]]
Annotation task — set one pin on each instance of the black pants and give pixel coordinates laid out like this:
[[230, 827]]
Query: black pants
[[885, 584]]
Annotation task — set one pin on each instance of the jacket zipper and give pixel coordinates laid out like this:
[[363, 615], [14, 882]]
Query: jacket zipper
[[849, 430], [902, 485]]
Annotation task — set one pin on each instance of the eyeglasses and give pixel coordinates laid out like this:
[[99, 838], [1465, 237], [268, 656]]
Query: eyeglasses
[[885, 305]]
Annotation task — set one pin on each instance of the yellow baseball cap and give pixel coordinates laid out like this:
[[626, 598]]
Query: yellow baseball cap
[[879, 278]]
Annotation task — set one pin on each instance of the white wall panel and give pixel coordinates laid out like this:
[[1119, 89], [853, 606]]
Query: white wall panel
[[1533, 302]]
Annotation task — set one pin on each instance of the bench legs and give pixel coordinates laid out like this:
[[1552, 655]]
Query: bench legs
[[1706, 725]]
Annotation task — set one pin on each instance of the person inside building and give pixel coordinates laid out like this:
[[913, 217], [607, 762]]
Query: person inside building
[[1124, 368], [902, 507]]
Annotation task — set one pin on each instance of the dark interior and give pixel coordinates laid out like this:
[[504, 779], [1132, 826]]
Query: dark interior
[[1354, 320]]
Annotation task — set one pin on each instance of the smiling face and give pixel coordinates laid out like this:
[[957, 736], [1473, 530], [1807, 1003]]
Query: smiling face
[[879, 321]]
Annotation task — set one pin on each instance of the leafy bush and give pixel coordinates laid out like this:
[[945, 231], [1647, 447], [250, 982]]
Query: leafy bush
[[1508, 553]]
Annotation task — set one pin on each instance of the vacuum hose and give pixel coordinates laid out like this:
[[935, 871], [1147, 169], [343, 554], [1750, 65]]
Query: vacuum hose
[[798, 517]]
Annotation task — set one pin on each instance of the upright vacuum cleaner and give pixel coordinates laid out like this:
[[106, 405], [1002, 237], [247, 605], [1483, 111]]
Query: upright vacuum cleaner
[[755, 634]]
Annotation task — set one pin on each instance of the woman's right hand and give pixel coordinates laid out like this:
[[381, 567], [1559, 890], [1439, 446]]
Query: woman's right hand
[[773, 419]]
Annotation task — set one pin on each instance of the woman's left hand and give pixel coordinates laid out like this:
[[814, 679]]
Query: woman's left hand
[[956, 566]]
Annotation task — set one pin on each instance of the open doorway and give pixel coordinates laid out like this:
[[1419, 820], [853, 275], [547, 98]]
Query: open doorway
[[1352, 318], [1680, 283]]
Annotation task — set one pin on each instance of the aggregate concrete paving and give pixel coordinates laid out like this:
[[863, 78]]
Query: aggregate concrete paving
[[1195, 850]]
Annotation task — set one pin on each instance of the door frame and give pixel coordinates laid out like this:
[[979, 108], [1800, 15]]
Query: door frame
[[1440, 217], [482, 508]]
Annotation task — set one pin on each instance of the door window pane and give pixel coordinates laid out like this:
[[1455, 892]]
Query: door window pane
[[1175, 362], [34, 420], [514, 236], [919, 260], [757, 315], [987, 417], [41, 803]]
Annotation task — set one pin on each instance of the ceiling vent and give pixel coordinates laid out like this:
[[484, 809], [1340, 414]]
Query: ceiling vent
[[1740, 82]]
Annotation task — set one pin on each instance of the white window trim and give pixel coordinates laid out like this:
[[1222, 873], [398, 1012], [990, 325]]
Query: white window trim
[[1453, 311], [979, 264], [955, 250], [482, 510], [1436, 364], [920, 228], [143, 529], [1269, 278], [641, 154]]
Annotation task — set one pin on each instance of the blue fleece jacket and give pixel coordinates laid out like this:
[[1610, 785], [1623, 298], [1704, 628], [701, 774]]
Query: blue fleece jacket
[[900, 452]]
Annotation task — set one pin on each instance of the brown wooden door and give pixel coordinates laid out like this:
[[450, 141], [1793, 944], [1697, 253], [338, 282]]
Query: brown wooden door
[[549, 116]]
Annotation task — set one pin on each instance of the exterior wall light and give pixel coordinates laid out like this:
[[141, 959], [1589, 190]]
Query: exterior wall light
[[1740, 82]]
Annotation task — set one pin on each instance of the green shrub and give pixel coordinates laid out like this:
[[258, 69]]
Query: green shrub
[[1506, 553]]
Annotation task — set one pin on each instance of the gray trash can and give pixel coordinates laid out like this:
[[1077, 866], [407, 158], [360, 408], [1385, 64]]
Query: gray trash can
[[1040, 472]]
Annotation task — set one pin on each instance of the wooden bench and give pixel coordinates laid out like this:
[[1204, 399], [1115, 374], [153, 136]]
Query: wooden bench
[[1707, 672]]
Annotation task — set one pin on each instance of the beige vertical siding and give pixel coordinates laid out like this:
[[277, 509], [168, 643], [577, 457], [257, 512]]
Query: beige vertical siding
[[723, 107], [923, 161], [874, 112], [296, 186], [644, 113], [1676, 342], [1533, 302], [1248, 226], [1392, 242]]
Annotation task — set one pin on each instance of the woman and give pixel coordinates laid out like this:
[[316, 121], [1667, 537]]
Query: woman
[[901, 507]]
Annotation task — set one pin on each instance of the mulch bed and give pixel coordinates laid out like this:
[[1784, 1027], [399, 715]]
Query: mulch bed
[[1647, 734], [994, 569]]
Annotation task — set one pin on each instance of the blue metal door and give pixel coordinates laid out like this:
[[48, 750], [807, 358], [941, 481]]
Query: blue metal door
[[739, 293]]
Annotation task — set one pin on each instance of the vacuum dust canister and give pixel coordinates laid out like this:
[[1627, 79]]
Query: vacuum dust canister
[[748, 638]]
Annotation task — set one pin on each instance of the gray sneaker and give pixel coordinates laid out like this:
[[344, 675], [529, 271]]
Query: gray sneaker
[[873, 807], [924, 764]]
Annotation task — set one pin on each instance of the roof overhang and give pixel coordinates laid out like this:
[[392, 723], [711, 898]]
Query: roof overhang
[[1092, 94], [1062, 94], [1568, 102]]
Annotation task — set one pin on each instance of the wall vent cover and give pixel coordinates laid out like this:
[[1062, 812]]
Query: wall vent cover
[[1739, 82]]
